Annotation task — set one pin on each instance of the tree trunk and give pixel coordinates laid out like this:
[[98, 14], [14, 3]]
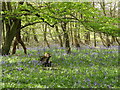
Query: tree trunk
[[108, 41], [95, 40], [95, 44], [54, 39], [45, 36], [87, 38], [71, 34], [14, 46], [18, 40], [66, 37], [35, 36], [103, 41], [112, 40], [1, 25], [26, 38], [9, 37], [12, 28], [117, 41], [76, 38], [102, 4], [59, 36]]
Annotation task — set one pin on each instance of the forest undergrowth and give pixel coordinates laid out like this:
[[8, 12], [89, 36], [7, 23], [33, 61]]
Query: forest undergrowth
[[83, 68]]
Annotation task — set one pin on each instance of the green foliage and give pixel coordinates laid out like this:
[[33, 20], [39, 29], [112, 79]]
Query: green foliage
[[57, 12], [105, 25], [84, 68]]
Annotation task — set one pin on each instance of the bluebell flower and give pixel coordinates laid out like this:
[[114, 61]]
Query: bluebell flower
[[95, 83], [19, 69], [86, 53], [100, 59], [3, 62], [10, 73], [81, 61], [94, 53], [64, 54], [34, 61]]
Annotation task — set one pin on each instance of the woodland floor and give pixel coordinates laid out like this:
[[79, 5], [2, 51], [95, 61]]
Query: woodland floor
[[83, 68]]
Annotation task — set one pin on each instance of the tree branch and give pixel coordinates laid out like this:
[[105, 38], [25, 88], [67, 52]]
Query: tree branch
[[28, 24]]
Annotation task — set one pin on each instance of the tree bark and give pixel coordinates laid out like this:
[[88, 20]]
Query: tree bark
[[59, 36], [95, 40], [1, 28], [76, 38], [103, 41], [9, 37], [117, 41], [12, 28], [45, 36], [87, 37], [71, 34], [14, 46], [54, 39], [18, 40], [108, 41], [66, 37], [35, 36]]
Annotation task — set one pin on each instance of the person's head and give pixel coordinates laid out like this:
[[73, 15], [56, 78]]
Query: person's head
[[47, 55]]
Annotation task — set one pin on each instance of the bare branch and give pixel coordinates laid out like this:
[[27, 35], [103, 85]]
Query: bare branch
[[29, 24]]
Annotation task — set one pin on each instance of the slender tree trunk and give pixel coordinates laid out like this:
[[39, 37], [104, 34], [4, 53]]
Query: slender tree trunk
[[102, 4], [71, 34], [3, 31], [117, 41], [87, 38], [14, 46], [35, 36], [1, 28], [76, 38], [118, 24], [2, 25], [112, 40], [104, 12], [54, 39], [95, 44], [45, 35], [108, 41], [95, 40], [26, 38], [80, 41], [103, 41], [59, 36], [66, 37]]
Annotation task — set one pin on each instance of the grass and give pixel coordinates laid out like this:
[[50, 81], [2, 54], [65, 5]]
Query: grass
[[83, 68]]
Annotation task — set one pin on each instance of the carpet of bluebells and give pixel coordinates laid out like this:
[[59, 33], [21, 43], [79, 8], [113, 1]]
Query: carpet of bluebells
[[83, 68]]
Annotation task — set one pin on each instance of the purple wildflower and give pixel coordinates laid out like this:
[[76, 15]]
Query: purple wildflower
[[95, 83], [19, 69]]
